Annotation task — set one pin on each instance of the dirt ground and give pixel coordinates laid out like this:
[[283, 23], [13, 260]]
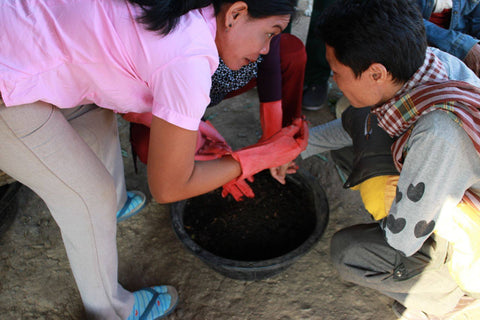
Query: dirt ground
[[36, 281]]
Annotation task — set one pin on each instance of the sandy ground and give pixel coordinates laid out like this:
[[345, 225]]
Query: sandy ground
[[36, 281]]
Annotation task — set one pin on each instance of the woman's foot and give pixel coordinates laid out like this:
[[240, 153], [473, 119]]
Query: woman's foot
[[154, 303], [135, 202]]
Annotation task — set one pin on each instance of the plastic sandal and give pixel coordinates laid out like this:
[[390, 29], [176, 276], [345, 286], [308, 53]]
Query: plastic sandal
[[154, 303], [136, 201]]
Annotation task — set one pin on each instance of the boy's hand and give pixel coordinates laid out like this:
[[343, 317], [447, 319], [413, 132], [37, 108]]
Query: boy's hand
[[279, 173]]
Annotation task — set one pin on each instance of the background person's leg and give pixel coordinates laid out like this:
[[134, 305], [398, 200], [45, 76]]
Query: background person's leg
[[280, 77], [41, 149], [420, 282], [317, 70], [292, 61]]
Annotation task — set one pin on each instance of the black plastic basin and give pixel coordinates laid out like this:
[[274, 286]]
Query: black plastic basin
[[261, 268]]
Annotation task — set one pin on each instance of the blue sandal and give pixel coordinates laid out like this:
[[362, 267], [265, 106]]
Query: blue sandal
[[154, 303], [136, 201]]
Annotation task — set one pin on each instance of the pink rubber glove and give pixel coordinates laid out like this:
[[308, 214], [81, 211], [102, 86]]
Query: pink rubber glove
[[280, 149], [238, 189], [270, 118], [210, 143]]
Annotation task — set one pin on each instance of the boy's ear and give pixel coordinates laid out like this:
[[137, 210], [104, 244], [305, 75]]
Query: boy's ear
[[236, 10], [378, 72]]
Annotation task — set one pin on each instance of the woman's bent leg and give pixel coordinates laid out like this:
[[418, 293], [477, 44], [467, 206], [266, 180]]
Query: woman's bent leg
[[39, 148], [99, 129]]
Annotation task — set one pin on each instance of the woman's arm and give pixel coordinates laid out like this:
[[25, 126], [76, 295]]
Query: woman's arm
[[172, 172]]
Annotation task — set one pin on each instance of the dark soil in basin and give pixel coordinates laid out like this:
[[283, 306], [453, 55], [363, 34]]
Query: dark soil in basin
[[276, 221]]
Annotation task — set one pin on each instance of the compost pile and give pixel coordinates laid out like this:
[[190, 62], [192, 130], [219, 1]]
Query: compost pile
[[276, 221]]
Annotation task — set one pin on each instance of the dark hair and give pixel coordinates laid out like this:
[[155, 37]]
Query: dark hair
[[163, 15], [362, 32]]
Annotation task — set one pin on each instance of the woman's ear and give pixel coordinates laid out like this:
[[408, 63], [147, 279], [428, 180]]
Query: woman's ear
[[378, 72], [236, 11]]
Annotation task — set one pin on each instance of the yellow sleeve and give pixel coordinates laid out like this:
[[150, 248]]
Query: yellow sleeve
[[377, 194]]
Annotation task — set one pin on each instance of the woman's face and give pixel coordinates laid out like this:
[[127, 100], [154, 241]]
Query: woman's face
[[241, 39]]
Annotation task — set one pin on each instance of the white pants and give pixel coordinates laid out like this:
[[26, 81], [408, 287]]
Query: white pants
[[71, 158]]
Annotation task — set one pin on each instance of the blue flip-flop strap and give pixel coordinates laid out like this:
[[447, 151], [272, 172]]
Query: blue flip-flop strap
[[125, 206], [150, 304]]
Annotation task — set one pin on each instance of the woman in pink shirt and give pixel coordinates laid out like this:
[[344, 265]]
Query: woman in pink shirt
[[60, 59]]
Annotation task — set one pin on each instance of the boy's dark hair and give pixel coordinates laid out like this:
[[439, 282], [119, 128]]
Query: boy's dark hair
[[362, 32], [163, 15]]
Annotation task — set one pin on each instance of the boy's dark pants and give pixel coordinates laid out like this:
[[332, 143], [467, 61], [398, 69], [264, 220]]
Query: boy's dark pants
[[361, 255]]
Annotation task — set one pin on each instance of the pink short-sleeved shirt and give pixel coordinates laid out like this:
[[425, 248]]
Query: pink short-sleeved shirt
[[73, 52]]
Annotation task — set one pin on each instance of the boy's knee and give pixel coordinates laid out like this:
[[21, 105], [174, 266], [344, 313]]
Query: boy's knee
[[351, 243], [340, 246]]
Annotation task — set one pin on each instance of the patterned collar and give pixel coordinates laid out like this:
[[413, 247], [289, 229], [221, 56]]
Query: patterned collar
[[432, 70], [428, 90], [226, 80]]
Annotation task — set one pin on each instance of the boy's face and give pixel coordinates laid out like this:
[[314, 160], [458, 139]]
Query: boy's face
[[361, 91]]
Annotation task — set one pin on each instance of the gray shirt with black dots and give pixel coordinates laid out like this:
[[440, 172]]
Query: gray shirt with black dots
[[441, 164]]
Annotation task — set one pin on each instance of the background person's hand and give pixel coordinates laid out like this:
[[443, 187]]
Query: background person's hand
[[472, 60]]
